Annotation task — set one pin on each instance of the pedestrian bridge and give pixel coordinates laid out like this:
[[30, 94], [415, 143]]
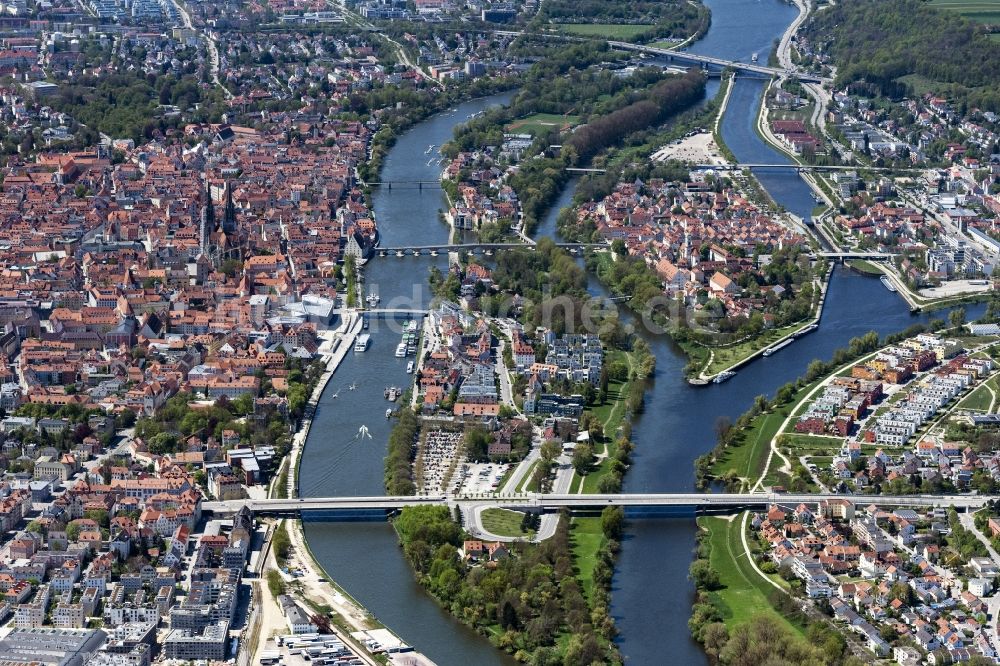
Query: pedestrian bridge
[[471, 248], [639, 504]]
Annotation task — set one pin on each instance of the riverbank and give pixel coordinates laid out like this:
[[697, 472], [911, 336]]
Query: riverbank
[[733, 587], [727, 359], [313, 585]]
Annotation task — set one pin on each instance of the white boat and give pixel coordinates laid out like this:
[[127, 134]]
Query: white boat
[[401, 349], [373, 299], [888, 283], [778, 347], [753, 58], [808, 329], [361, 344], [409, 368], [723, 376], [388, 413]]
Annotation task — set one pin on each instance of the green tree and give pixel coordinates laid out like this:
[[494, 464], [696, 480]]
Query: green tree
[[613, 522], [583, 458], [703, 575], [73, 531], [956, 317]]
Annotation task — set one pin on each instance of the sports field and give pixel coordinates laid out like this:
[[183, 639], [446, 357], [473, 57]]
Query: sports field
[[540, 122], [607, 30], [979, 11]]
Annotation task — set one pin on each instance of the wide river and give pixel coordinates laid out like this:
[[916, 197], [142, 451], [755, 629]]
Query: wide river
[[651, 596]]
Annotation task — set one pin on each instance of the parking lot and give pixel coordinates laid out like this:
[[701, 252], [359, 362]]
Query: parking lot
[[309, 650], [438, 454], [473, 478]]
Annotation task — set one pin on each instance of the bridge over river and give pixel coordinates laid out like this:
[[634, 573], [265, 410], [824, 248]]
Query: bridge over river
[[643, 504], [684, 57], [473, 248]]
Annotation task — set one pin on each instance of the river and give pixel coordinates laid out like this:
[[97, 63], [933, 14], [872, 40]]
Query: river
[[651, 596]]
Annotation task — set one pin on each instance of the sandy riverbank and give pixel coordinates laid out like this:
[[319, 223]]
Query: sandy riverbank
[[698, 149]]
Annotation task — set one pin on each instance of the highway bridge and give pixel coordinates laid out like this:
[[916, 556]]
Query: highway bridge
[[348, 508], [686, 56], [798, 167], [471, 248]]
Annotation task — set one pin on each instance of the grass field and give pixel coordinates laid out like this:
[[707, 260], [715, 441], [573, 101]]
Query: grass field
[[585, 537], [866, 267], [607, 30], [820, 442], [727, 356], [978, 11], [504, 522], [541, 122], [743, 593], [747, 460], [980, 399]]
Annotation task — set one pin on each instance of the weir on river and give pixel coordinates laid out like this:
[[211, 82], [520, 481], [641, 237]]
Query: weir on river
[[651, 597]]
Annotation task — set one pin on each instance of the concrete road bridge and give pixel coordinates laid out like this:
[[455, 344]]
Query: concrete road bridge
[[636, 505], [800, 167], [694, 58], [684, 57], [875, 256]]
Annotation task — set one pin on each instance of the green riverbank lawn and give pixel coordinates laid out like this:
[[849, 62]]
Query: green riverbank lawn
[[721, 358], [585, 540], [746, 460], [742, 592], [504, 522]]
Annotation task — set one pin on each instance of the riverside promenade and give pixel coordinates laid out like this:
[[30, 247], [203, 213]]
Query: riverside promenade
[[321, 588]]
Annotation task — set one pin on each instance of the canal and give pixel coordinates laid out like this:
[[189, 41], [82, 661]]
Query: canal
[[651, 596]]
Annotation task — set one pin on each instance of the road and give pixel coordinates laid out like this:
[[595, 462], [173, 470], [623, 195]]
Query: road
[[564, 500], [992, 602], [210, 45], [506, 390], [357, 19]]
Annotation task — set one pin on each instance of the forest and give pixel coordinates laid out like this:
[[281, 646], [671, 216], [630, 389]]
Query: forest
[[529, 603], [124, 105], [874, 43]]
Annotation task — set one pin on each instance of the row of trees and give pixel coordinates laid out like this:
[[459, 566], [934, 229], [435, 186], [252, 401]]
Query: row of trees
[[663, 100], [402, 449]]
